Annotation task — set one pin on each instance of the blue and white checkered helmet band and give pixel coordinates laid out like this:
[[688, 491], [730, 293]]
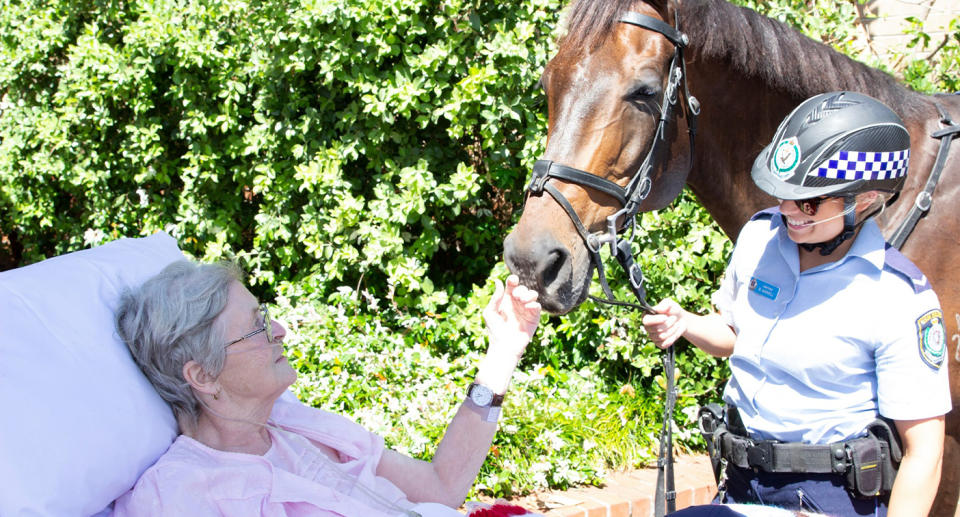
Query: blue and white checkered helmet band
[[853, 165]]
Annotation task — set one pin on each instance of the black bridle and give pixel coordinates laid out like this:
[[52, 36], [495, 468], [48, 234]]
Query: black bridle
[[630, 199], [639, 186]]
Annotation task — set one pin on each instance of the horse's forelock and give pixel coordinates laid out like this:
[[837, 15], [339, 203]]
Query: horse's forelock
[[590, 22]]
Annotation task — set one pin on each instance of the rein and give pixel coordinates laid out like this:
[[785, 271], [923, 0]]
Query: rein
[[630, 199]]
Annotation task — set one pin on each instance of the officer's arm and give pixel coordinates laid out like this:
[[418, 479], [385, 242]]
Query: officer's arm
[[711, 334], [919, 472]]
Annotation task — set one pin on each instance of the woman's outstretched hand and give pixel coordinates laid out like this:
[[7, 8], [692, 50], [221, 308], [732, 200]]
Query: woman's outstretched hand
[[513, 314], [512, 317]]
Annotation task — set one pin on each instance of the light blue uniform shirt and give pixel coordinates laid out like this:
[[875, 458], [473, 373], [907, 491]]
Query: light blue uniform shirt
[[820, 353]]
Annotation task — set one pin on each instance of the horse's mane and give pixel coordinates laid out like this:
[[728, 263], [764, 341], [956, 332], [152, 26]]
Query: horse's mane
[[782, 57], [755, 46]]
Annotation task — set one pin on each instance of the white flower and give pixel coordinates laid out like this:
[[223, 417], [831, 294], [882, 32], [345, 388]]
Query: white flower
[[551, 439], [93, 237], [540, 470], [371, 301]]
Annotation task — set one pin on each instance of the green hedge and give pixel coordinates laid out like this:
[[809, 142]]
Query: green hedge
[[374, 143], [342, 142], [363, 159]]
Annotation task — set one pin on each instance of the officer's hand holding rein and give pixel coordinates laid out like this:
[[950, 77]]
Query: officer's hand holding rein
[[709, 333]]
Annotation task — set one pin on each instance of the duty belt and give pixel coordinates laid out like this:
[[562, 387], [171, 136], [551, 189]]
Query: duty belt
[[869, 463], [771, 456]]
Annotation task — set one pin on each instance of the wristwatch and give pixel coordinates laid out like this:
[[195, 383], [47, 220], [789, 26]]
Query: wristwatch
[[483, 400]]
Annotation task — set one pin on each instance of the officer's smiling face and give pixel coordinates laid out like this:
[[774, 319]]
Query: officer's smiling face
[[803, 228]]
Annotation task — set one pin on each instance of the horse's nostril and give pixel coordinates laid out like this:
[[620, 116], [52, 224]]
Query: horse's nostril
[[552, 265], [543, 263]]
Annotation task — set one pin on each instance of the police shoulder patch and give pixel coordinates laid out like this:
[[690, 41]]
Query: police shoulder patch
[[931, 338]]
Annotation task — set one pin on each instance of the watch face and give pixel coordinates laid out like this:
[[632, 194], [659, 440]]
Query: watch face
[[481, 395]]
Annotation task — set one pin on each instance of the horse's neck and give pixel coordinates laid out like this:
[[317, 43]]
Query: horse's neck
[[738, 118]]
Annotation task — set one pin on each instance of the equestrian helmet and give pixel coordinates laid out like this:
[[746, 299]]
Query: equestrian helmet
[[835, 144]]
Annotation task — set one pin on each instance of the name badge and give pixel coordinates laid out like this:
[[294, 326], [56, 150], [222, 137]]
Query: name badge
[[765, 289]]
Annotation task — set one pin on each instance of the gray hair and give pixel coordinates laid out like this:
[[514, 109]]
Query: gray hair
[[169, 320]]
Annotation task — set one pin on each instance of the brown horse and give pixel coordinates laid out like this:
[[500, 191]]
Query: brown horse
[[748, 71]]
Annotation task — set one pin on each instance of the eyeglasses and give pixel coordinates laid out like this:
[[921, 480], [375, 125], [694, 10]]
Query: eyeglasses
[[810, 206], [267, 327]]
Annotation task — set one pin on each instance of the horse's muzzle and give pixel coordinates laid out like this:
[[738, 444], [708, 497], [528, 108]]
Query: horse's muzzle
[[542, 263]]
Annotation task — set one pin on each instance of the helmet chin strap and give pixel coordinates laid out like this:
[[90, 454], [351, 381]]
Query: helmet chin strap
[[849, 228]]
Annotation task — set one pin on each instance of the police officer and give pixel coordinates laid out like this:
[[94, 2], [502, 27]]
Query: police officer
[[826, 326]]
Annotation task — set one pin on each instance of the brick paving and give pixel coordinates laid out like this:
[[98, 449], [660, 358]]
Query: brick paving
[[627, 494]]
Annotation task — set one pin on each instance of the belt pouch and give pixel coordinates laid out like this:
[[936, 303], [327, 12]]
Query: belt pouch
[[886, 432], [865, 474]]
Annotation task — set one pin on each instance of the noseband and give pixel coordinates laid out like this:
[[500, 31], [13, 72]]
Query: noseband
[[630, 199], [640, 185]]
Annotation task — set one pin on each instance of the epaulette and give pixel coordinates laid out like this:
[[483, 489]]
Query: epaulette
[[901, 265]]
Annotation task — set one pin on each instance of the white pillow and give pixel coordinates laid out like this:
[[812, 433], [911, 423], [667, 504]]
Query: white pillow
[[80, 421]]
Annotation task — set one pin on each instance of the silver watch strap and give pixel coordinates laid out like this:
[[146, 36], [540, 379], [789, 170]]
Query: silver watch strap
[[487, 413]]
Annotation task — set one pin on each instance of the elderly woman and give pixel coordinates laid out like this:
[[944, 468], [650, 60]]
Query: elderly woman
[[248, 447]]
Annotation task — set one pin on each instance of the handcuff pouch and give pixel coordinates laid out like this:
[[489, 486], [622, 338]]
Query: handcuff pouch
[[865, 474]]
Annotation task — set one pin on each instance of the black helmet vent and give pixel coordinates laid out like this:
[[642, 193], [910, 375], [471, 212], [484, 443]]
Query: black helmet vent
[[826, 108]]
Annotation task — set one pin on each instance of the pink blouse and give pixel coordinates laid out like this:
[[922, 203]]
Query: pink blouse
[[193, 479]]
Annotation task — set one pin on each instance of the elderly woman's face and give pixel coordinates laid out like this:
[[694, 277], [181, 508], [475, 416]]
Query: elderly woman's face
[[254, 367]]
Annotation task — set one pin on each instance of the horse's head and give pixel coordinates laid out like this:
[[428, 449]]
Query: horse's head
[[605, 87]]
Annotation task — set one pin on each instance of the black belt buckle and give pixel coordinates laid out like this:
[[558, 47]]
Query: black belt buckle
[[760, 456]]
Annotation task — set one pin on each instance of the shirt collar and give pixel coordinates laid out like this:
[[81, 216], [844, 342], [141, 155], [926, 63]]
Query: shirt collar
[[869, 245]]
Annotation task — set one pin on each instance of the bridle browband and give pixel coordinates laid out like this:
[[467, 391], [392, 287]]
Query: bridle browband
[[630, 199]]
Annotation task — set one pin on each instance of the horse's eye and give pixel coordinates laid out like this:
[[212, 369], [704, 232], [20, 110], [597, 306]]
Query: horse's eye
[[643, 92]]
